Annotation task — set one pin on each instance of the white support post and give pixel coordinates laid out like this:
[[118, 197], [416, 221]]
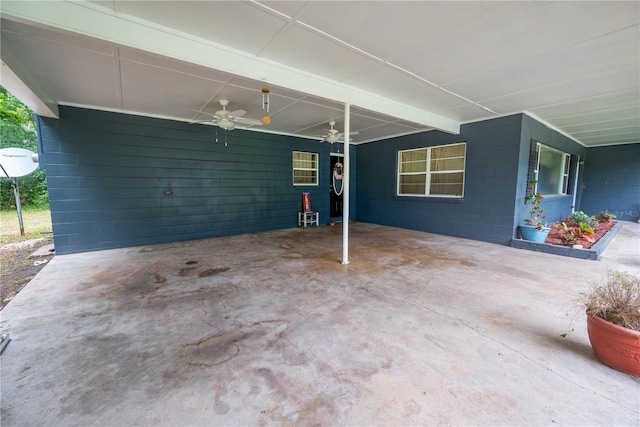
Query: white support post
[[345, 188]]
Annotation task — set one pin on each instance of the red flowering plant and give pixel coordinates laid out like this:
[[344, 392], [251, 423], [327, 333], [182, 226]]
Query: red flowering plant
[[533, 199]]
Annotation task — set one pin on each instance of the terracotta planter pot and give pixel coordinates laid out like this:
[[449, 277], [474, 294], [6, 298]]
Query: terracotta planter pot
[[614, 345]]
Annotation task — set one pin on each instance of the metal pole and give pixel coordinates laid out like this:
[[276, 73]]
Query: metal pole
[[345, 189], [16, 193]]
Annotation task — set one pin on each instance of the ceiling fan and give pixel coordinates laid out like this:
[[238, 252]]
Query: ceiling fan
[[227, 119], [333, 135]]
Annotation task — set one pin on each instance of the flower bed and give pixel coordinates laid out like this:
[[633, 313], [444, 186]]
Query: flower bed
[[557, 234], [593, 253]]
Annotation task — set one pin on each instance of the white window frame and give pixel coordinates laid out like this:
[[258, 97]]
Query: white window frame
[[563, 182], [565, 173], [429, 173], [294, 168]]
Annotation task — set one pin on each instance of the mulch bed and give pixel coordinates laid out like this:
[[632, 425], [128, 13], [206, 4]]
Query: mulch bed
[[555, 234]]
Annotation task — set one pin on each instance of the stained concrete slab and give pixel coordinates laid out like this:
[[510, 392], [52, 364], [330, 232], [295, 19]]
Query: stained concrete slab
[[44, 250], [271, 329]]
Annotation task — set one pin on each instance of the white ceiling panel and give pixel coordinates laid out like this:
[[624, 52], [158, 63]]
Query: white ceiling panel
[[133, 55], [302, 117], [602, 125], [306, 50], [619, 80], [161, 91], [91, 80], [241, 96], [436, 100], [391, 129], [359, 120], [387, 29], [594, 117], [628, 100], [513, 32], [405, 88], [613, 136], [286, 7], [386, 81], [57, 37], [403, 66], [232, 23], [618, 51]]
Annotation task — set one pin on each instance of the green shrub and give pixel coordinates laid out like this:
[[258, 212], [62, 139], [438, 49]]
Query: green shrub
[[17, 129], [605, 216], [583, 220]]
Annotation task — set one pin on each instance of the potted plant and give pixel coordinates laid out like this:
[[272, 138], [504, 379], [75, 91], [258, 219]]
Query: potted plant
[[535, 227], [613, 321]]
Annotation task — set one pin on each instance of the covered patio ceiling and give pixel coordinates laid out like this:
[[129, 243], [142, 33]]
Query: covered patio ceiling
[[405, 67]]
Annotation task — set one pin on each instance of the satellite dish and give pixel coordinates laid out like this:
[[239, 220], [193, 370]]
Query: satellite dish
[[17, 162]]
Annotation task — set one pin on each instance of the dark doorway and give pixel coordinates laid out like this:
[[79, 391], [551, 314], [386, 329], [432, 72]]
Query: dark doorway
[[335, 187]]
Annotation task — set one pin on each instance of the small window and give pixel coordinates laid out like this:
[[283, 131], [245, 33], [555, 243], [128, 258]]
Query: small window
[[432, 171], [552, 171], [305, 168]]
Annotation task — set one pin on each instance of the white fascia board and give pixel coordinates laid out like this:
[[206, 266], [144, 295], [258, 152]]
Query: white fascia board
[[17, 80], [94, 21]]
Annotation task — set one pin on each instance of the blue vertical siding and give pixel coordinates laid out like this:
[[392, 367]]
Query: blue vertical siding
[[118, 180], [487, 210], [612, 181]]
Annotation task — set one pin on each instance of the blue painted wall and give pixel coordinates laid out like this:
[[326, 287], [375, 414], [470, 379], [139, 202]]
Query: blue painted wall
[[555, 208], [108, 174], [612, 181], [118, 180], [495, 183], [487, 210]]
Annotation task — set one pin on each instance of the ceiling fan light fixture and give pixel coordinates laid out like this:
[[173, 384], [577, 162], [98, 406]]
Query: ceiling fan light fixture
[[226, 124]]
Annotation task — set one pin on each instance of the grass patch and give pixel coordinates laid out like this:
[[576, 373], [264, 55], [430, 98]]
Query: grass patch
[[37, 224]]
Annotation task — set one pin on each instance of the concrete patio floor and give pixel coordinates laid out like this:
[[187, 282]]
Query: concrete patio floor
[[271, 329]]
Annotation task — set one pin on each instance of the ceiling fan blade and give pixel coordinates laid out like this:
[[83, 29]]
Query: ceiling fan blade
[[205, 112], [236, 113], [247, 121], [341, 135]]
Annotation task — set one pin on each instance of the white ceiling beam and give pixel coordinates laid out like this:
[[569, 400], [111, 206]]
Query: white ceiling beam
[[17, 80], [94, 21]]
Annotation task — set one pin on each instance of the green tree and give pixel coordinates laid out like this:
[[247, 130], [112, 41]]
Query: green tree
[[17, 129]]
